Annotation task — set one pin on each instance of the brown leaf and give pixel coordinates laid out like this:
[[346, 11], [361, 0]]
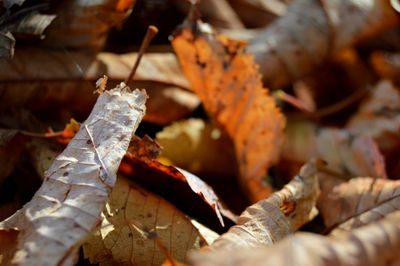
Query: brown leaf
[[228, 83], [77, 185], [371, 245], [85, 25], [359, 202], [144, 148], [312, 31], [275, 217], [121, 241], [43, 79]]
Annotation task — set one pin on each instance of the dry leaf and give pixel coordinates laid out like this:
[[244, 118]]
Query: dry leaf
[[227, 82], [77, 185], [123, 242], [185, 190], [197, 146], [41, 79], [312, 31], [372, 245], [85, 24], [275, 217], [378, 116], [350, 154], [359, 202], [25, 22], [345, 153]]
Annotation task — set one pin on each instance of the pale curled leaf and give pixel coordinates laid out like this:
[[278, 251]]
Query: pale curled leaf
[[359, 202], [77, 185], [312, 31], [275, 217], [378, 116], [228, 83], [121, 241], [350, 154], [376, 244]]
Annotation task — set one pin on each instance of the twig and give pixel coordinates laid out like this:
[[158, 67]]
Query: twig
[[151, 32]]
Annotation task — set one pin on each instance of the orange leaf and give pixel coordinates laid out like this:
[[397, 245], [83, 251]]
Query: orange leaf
[[228, 83]]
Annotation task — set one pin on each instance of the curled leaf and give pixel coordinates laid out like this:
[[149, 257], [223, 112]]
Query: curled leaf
[[378, 116], [77, 185], [275, 217], [174, 184], [374, 244], [346, 153]]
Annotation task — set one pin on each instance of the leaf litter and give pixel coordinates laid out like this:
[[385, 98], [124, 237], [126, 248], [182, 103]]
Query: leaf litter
[[330, 172]]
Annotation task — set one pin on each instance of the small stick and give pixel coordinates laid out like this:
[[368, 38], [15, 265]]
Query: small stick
[[151, 32]]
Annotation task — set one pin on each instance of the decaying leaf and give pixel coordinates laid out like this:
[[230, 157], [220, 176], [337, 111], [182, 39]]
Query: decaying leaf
[[40, 79], [371, 245], [77, 185], [227, 81], [119, 239], [275, 217], [312, 31], [359, 202], [197, 146]]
